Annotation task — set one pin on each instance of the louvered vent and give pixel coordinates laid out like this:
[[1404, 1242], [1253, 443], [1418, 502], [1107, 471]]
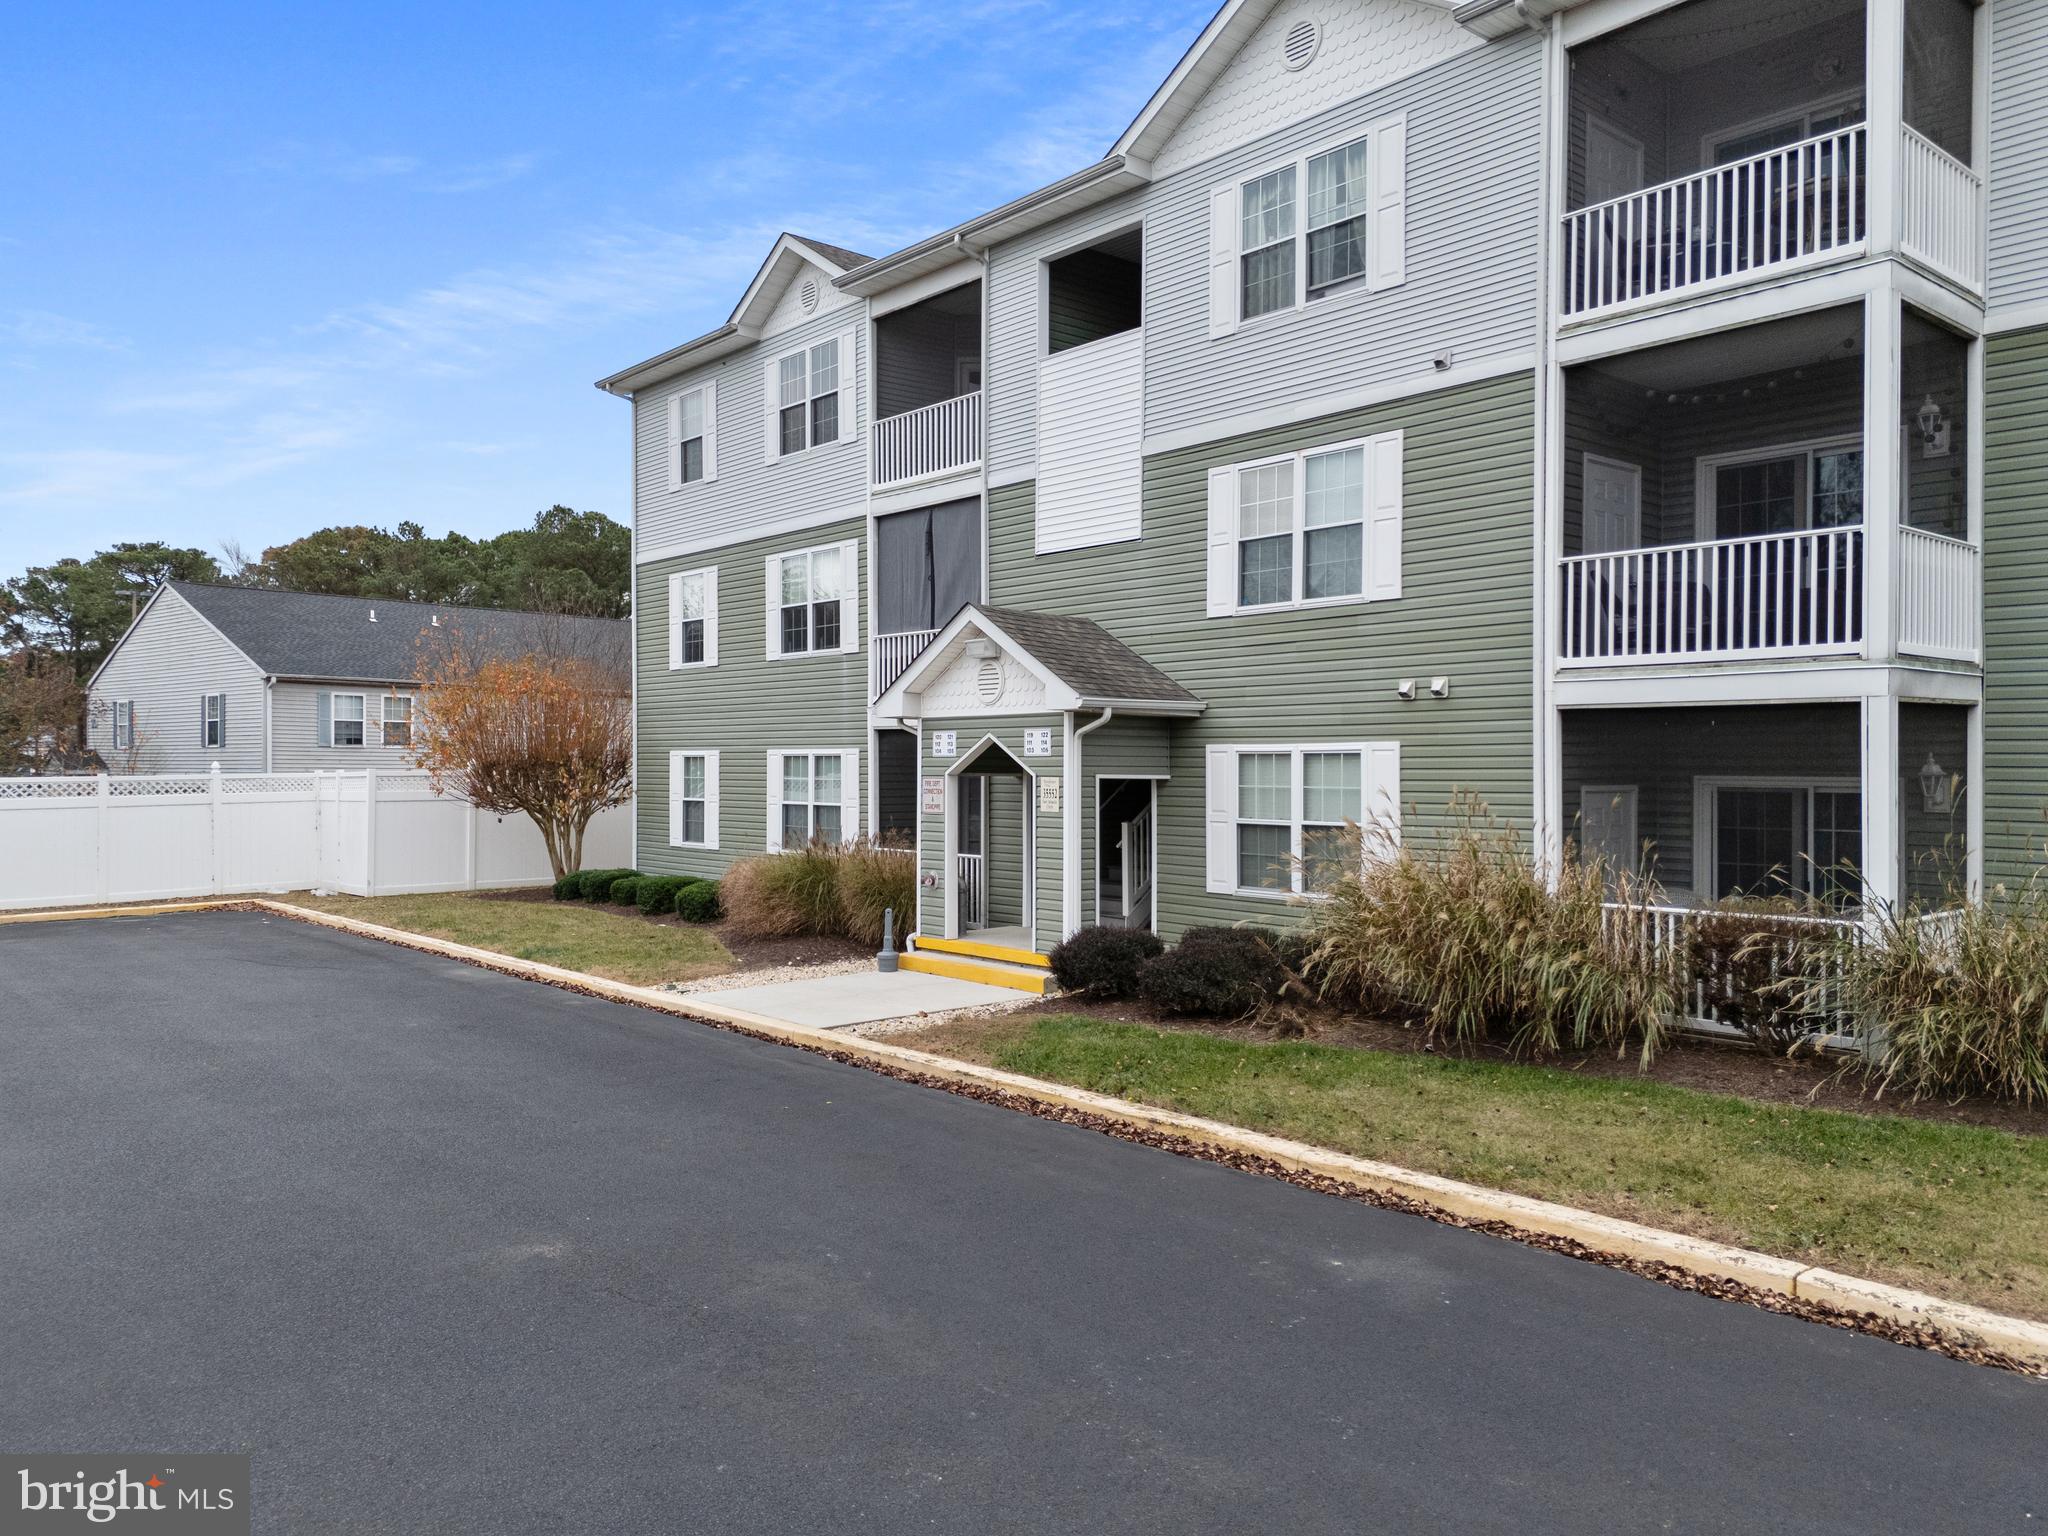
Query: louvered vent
[[807, 295], [1300, 44]]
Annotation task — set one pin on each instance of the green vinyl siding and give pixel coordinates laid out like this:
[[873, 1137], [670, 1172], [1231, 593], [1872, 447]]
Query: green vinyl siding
[[1466, 613], [745, 707], [2015, 605]]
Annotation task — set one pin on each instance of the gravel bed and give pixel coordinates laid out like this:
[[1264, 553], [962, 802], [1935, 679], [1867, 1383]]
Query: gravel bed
[[768, 976], [912, 1023]]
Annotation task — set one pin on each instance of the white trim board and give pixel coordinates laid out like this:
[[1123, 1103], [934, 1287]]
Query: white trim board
[[737, 537]]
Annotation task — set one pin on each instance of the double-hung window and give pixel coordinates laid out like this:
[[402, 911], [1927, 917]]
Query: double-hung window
[[692, 423], [398, 720], [693, 618], [1287, 820], [1320, 526], [807, 397], [812, 798], [124, 725], [693, 799], [811, 601], [348, 719], [213, 725], [1286, 235]]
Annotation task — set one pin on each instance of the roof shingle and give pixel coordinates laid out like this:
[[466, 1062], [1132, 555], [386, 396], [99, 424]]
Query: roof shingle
[[1087, 657]]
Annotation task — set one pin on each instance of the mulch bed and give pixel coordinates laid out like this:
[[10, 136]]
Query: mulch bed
[[748, 953], [1818, 1082]]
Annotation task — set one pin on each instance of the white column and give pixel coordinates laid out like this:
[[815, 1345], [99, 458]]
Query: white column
[[1884, 110], [1881, 809], [1881, 473]]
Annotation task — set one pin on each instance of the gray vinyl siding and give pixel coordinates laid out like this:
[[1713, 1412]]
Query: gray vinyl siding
[[744, 708], [751, 491], [1466, 613], [165, 665], [1474, 182], [295, 730], [1006, 820], [2018, 183], [2015, 605]]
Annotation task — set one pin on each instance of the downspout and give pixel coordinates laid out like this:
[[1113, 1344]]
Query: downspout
[[1070, 830]]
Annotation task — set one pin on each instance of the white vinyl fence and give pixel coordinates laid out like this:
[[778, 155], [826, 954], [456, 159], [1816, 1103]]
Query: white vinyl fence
[[78, 841]]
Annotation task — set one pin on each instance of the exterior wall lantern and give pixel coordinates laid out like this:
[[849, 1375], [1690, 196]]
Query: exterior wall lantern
[[1937, 788]]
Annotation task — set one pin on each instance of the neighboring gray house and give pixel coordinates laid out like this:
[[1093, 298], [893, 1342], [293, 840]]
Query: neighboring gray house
[[1625, 412], [262, 681]]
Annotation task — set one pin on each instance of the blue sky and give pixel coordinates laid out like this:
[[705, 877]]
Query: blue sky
[[268, 268]]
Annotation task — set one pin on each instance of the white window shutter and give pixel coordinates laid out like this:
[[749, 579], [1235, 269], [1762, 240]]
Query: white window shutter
[[223, 719], [771, 593], [711, 429], [849, 389], [774, 843], [1387, 243], [1220, 779], [771, 399], [1383, 789], [323, 712], [1383, 517], [675, 620], [373, 721], [711, 617], [1222, 541], [675, 798], [675, 441], [711, 799], [849, 602], [849, 796], [1223, 223]]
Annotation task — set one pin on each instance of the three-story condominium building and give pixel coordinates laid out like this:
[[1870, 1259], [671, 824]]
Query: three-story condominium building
[[1623, 413]]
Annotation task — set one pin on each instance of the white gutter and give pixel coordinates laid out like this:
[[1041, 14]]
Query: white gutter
[[1070, 828]]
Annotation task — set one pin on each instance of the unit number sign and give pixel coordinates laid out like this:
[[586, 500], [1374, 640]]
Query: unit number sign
[[945, 744], [1049, 795], [1038, 742]]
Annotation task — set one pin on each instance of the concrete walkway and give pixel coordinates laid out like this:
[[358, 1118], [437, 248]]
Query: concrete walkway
[[835, 1002]]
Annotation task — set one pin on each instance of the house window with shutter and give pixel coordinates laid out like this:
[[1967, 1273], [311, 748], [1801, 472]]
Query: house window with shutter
[[1304, 529], [813, 792], [398, 720], [806, 385], [348, 719], [811, 601], [1290, 234], [1288, 820]]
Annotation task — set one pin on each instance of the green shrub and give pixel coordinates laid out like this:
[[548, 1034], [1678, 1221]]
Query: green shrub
[[657, 893], [1957, 1000], [570, 886], [596, 884], [625, 891], [873, 880], [696, 901], [821, 889], [1461, 932], [1103, 962], [1223, 973]]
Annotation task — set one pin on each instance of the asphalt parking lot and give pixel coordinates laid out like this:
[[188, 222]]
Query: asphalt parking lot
[[447, 1251]]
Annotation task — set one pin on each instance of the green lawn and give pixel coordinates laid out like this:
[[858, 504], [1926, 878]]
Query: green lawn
[[1958, 1210], [600, 940]]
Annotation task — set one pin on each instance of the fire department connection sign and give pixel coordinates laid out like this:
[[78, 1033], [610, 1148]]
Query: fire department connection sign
[[932, 797]]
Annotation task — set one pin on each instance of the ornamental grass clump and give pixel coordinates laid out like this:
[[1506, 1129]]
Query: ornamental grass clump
[[838, 890], [1462, 933], [873, 880]]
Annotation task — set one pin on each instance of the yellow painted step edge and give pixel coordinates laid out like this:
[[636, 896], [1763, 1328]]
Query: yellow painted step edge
[[983, 951], [968, 970]]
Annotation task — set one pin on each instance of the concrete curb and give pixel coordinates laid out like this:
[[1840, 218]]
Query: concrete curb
[[1970, 1327]]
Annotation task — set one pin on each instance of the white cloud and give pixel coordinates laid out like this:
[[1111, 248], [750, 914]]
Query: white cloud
[[41, 328]]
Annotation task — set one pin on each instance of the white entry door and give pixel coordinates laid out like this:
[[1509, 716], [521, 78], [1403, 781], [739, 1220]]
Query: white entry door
[[1607, 825], [1614, 506], [1614, 161]]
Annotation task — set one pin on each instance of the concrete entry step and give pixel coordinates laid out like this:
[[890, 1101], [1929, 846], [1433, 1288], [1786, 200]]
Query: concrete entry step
[[989, 972], [981, 949]]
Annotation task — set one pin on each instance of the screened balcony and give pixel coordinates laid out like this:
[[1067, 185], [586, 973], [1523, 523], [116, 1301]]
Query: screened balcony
[[928, 388], [927, 568]]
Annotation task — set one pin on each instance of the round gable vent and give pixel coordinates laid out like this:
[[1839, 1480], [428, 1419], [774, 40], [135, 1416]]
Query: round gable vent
[[1300, 44], [988, 681], [807, 295]]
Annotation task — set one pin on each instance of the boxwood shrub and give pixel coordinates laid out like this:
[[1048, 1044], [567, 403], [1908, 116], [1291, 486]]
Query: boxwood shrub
[[697, 902], [596, 884], [657, 893], [570, 886], [1103, 962], [625, 891], [1224, 973]]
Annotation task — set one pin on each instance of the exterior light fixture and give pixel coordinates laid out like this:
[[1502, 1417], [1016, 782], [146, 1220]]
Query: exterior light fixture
[[1933, 429], [1937, 789]]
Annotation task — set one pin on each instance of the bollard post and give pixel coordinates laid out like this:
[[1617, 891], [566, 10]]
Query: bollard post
[[885, 961]]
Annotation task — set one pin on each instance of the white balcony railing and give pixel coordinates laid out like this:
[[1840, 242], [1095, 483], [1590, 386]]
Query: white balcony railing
[[971, 870], [1939, 609], [931, 440], [893, 653], [1801, 202], [1941, 210], [1716, 988], [1780, 594]]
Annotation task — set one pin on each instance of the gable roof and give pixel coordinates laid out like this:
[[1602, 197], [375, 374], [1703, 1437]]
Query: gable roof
[[1085, 666], [318, 635], [785, 258]]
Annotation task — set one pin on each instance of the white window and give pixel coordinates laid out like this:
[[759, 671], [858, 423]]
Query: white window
[[1285, 820], [348, 720], [1304, 529], [693, 799], [1290, 234], [813, 796], [398, 720], [808, 402], [811, 601], [692, 436], [213, 719], [1777, 837], [693, 618], [124, 725]]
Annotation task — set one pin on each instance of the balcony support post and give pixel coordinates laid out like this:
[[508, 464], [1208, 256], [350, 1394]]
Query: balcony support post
[[1884, 96], [1882, 502]]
